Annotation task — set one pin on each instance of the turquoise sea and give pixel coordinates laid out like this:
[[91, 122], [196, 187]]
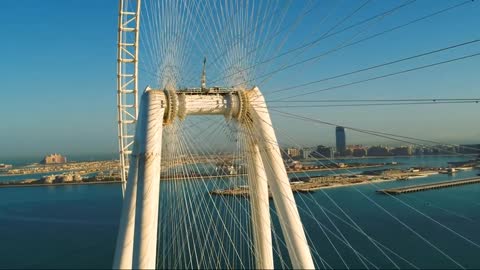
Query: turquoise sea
[[76, 226]]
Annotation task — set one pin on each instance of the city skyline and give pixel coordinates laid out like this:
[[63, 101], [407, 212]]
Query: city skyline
[[342, 148], [37, 155], [342, 132]]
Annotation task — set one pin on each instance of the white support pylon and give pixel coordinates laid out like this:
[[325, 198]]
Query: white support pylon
[[279, 183], [148, 186], [137, 236], [259, 205], [123, 257], [124, 248], [137, 241]]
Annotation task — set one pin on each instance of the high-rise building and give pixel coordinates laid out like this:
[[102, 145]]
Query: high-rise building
[[341, 141]]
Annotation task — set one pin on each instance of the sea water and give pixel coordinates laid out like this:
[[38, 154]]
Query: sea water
[[76, 226]]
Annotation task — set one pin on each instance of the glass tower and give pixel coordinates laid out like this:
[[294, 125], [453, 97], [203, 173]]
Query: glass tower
[[341, 141]]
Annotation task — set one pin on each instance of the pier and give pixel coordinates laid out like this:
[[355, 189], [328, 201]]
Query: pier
[[437, 185]]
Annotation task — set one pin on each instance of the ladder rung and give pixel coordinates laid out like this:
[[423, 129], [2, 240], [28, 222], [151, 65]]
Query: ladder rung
[[126, 44], [127, 12], [127, 29], [127, 121], [126, 60], [126, 91]]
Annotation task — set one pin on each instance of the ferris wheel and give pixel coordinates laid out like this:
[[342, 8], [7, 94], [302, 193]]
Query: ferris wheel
[[168, 44], [143, 149]]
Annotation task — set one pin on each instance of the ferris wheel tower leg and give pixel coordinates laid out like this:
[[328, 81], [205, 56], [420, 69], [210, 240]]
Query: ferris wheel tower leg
[[124, 248], [279, 183], [148, 185], [259, 203]]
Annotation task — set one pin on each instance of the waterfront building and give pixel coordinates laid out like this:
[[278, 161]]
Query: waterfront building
[[306, 152], [428, 151], [348, 152], [64, 178], [54, 159], [445, 150], [450, 149], [323, 152], [4, 167], [402, 151], [378, 151], [293, 152], [359, 152], [295, 165], [341, 141], [418, 151], [356, 150], [469, 148], [48, 179], [440, 150]]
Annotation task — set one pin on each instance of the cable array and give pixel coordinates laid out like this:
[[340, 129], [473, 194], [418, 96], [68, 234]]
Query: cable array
[[247, 43]]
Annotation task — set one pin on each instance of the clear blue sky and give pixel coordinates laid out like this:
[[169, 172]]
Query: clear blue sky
[[58, 65]]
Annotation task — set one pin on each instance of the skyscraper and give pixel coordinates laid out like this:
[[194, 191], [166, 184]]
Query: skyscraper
[[341, 141]]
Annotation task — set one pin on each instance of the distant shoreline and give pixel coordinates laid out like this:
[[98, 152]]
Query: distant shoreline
[[60, 184], [71, 167], [378, 157], [244, 193], [302, 160], [178, 178], [26, 174]]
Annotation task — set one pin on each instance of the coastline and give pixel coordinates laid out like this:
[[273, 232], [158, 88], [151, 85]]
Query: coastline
[[2, 174], [353, 184], [60, 184], [315, 185], [380, 157], [219, 176], [71, 167], [119, 182], [244, 192]]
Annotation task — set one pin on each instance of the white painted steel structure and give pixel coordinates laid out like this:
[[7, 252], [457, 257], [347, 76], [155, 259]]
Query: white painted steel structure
[[127, 78], [136, 246], [140, 157]]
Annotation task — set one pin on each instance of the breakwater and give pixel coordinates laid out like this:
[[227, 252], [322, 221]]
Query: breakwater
[[417, 188]]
